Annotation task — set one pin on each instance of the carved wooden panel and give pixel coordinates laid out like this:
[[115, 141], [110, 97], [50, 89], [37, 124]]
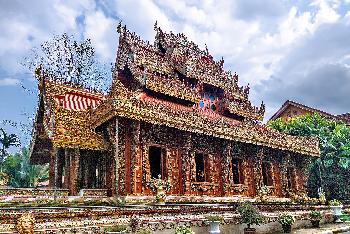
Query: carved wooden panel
[[138, 170], [146, 175], [173, 170], [277, 180], [127, 155], [249, 177]]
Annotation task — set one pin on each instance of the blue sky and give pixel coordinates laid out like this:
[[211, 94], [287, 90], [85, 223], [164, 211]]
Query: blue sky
[[298, 50]]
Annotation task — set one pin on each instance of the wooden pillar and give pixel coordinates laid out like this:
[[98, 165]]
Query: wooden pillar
[[136, 159], [277, 182], [66, 169], [74, 166], [60, 164], [127, 155], [304, 172], [186, 166], [110, 173], [284, 177], [258, 179], [137, 175], [116, 157], [52, 169], [226, 170], [249, 176]]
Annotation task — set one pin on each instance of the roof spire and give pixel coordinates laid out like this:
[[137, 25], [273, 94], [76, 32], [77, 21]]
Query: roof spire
[[119, 27], [206, 49]]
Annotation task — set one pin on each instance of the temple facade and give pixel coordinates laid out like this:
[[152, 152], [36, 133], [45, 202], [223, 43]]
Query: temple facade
[[171, 112]]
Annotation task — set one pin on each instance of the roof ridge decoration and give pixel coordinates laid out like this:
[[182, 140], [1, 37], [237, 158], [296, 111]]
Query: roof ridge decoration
[[136, 106], [158, 66]]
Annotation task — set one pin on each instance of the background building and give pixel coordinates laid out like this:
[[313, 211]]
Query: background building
[[291, 109]]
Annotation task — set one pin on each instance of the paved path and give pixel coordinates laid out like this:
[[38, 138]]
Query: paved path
[[310, 230]]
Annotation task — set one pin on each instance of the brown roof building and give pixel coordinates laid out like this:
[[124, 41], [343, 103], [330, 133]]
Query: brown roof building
[[172, 112], [291, 109]]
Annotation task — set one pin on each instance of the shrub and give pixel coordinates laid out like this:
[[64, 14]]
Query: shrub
[[116, 228], [182, 229], [213, 218], [250, 215], [335, 202], [286, 219], [315, 215]]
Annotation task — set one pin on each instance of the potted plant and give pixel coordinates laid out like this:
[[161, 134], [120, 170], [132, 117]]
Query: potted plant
[[182, 229], [315, 217], [286, 220], [250, 215], [263, 193], [214, 223], [160, 187], [336, 207], [117, 229], [322, 198]]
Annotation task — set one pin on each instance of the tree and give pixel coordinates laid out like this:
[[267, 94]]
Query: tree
[[66, 60], [6, 141], [21, 172], [331, 170]]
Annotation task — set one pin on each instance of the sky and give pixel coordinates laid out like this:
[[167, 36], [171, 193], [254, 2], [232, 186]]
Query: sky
[[296, 50]]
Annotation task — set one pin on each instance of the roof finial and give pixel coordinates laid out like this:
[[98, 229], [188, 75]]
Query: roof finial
[[119, 27], [206, 49], [222, 62]]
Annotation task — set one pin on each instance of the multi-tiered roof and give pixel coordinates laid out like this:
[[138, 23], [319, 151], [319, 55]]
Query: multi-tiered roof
[[171, 83]]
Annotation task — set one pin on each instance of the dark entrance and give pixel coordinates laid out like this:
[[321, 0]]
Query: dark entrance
[[157, 162]]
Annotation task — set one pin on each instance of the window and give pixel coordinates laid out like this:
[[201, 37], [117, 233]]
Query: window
[[157, 162], [267, 174], [237, 171], [200, 167]]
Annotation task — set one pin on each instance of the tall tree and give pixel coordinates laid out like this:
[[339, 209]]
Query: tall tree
[[7, 140], [331, 170], [67, 60]]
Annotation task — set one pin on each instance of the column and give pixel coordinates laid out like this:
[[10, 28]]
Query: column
[[60, 164], [74, 166], [304, 172], [284, 177], [225, 175], [52, 167], [186, 166], [258, 179], [66, 169]]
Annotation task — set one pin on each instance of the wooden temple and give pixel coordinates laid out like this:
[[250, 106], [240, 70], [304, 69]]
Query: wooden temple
[[172, 111]]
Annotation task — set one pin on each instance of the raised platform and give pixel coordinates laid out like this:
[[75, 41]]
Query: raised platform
[[159, 218]]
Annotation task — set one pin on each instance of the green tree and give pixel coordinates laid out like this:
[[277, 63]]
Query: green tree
[[21, 172], [6, 140], [331, 170]]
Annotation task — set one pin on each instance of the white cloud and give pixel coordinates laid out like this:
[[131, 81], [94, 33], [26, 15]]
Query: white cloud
[[8, 82], [101, 31], [347, 17], [258, 40]]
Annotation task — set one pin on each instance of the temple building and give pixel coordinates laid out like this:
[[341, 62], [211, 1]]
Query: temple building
[[171, 111], [292, 109]]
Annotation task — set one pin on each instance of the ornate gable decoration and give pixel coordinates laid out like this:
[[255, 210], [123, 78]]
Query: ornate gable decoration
[[177, 67]]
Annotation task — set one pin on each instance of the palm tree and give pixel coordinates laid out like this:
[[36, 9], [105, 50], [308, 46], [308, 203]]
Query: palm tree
[[7, 140], [22, 173]]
